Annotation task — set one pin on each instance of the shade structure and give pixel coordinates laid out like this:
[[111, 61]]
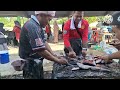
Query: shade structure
[[58, 13]]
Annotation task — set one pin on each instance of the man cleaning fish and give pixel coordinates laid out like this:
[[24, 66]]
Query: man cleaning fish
[[115, 22], [75, 35]]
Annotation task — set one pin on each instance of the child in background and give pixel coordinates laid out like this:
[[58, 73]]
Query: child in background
[[95, 37]]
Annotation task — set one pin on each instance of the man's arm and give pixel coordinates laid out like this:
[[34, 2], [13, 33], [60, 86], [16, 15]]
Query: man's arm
[[85, 36], [66, 40], [46, 43], [107, 58], [114, 55], [85, 44], [46, 54], [67, 44], [66, 29], [70, 49], [48, 48]]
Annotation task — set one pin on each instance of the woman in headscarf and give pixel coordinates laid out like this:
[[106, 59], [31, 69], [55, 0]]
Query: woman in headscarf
[[17, 30]]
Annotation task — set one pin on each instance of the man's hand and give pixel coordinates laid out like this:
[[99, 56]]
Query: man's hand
[[55, 55], [117, 46], [62, 60], [84, 52], [105, 58], [72, 54], [46, 54], [116, 41]]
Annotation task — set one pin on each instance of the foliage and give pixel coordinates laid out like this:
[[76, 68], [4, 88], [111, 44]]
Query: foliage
[[93, 19], [9, 21], [59, 20], [89, 19]]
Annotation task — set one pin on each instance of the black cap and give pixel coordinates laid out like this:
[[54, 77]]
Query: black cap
[[116, 18]]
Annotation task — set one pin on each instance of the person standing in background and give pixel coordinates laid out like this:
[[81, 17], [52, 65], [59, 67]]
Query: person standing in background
[[56, 29], [48, 31], [17, 30], [48, 27], [94, 37], [1, 28], [63, 26]]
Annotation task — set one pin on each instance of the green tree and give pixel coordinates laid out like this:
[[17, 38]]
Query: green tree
[[9, 21]]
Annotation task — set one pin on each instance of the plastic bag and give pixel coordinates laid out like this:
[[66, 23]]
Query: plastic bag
[[110, 50], [103, 44]]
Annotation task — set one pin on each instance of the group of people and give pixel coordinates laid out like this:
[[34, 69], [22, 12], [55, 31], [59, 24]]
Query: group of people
[[16, 30], [33, 46], [56, 32]]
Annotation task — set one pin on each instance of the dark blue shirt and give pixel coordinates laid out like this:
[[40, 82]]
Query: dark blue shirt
[[32, 39]]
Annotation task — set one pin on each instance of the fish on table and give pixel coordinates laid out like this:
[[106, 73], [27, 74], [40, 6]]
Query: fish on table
[[94, 63]]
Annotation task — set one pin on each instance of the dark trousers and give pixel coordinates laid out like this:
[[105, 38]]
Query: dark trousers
[[48, 36], [15, 42], [76, 45], [33, 69]]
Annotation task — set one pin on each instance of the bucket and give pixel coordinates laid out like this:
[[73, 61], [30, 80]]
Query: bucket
[[4, 57]]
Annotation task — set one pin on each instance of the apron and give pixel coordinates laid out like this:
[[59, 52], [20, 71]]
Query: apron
[[76, 45]]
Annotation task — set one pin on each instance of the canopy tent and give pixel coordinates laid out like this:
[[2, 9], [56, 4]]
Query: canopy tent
[[58, 13]]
